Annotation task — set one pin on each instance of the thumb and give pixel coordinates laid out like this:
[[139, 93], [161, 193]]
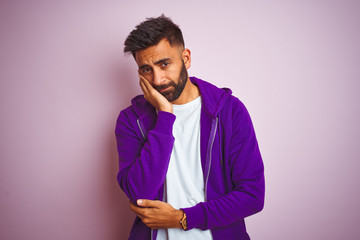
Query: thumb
[[147, 203]]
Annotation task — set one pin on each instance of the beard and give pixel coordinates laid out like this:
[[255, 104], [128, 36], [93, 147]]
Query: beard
[[172, 95]]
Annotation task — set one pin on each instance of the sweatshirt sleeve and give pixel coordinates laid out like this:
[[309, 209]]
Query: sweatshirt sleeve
[[247, 177], [143, 163]]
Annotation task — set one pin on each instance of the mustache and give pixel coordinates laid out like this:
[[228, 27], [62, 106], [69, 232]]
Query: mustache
[[161, 87]]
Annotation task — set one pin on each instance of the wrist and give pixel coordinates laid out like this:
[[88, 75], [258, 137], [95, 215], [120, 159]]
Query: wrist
[[183, 221], [178, 216], [168, 109]]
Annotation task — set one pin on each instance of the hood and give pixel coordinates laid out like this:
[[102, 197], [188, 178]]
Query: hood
[[213, 99]]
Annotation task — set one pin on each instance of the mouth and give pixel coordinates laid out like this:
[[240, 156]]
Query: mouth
[[165, 89]]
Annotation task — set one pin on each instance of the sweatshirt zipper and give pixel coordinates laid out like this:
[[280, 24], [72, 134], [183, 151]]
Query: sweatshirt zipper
[[209, 150], [139, 125]]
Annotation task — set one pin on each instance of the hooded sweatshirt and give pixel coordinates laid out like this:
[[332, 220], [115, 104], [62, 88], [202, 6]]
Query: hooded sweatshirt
[[231, 162]]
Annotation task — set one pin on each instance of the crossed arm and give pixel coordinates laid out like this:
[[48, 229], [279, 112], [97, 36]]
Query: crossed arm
[[156, 214], [244, 200]]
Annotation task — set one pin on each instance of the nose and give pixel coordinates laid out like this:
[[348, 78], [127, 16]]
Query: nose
[[159, 77]]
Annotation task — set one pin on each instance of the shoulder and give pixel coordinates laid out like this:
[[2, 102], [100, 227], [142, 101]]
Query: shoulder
[[139, 106], [128, 114], [235, 112], [234, 104]]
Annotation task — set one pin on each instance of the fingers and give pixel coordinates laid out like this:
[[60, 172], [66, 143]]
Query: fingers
[[140, 212], [131, 205], [146, 88], [149, 203], [142, 84], [149, 92], [144, 212], [145, 85], [154, 97], [143, 80], [156, 214]]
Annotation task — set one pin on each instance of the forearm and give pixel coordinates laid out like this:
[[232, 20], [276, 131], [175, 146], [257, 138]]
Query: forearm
[[226, 209], [143, 164], [146, 175]]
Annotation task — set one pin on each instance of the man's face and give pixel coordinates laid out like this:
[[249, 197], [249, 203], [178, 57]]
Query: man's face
[[163, 66]]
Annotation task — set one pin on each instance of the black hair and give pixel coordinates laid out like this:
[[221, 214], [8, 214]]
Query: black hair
[[150, 32]]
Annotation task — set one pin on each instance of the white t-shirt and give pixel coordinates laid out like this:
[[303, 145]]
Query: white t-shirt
[[184, 186]]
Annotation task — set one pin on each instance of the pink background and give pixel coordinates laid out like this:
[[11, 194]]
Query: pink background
[[64, 79]]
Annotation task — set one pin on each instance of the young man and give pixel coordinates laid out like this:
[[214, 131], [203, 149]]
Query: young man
[[189, 161]]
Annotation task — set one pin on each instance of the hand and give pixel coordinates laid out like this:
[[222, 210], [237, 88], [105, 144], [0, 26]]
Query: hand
[[154, 97], [157, 214]]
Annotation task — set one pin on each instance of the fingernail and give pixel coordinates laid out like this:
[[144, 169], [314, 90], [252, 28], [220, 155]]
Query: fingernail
[[139, 202]]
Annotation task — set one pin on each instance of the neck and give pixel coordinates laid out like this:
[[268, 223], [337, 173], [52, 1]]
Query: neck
[[190, 92]]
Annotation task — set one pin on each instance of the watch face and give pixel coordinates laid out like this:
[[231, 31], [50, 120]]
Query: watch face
[[183, 222]]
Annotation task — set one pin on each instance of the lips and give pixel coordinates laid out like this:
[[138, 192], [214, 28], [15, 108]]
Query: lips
[[165, 89]]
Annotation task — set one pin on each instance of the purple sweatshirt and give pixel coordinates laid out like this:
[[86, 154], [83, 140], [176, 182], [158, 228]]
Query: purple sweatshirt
[[231, 162]]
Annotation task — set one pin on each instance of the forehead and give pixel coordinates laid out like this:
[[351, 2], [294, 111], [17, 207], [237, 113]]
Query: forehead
[[154, 53]]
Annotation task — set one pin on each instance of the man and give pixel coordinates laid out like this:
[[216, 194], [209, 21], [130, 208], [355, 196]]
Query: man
[[189, 161]]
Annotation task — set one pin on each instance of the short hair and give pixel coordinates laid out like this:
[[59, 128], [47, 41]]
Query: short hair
[[150, 32]]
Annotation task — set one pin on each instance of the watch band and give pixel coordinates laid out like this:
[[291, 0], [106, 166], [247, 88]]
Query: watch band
[[183, 221]]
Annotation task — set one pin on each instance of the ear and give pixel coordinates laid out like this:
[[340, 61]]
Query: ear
[[186, 56]]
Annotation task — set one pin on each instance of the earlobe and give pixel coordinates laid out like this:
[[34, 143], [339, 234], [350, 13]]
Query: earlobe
[[187, 57]]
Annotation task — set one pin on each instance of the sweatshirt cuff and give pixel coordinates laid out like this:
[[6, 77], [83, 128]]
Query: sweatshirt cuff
[[164, 123], [196, 217]]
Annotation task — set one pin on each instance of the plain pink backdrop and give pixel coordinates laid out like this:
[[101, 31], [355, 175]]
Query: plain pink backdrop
[[64, 79]]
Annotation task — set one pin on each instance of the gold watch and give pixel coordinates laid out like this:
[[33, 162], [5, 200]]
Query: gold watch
[[183, 221]]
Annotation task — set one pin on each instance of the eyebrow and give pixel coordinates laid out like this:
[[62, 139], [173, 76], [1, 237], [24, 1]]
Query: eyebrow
[[162, 61], [156, 63]]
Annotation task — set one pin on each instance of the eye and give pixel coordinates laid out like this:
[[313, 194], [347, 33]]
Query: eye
[[146, 70], [165, 64]]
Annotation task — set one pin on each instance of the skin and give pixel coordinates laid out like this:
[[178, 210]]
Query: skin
[[160, 65], [157, 214], [154, 72]]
